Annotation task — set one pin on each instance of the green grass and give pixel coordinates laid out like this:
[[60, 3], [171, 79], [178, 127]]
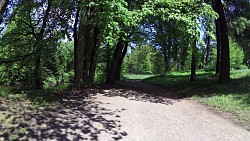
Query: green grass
[[180, 80], [234, 97], [14, 106], [137, 76]]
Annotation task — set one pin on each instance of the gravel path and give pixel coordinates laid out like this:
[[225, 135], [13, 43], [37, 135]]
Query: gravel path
[[131, 111], [180, 120]]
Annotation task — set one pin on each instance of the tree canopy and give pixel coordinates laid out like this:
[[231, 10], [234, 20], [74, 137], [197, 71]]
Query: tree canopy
[[75, 41]]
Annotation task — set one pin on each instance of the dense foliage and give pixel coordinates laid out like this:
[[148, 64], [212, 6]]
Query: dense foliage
[[46, 43]]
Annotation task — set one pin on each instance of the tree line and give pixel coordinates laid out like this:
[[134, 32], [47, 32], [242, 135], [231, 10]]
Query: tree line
[[99, 33]]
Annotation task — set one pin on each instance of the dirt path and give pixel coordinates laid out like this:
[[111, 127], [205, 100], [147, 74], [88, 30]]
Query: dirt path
[[174, 119], [131, 111]]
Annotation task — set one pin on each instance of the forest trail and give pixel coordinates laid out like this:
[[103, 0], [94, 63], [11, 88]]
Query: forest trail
[[129, 111], [167, 118]]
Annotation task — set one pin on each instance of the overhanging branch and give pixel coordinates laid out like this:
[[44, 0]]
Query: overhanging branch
[[15, 59]]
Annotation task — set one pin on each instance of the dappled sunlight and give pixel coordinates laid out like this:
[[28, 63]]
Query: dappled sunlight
[[139, 91], [76, 119]]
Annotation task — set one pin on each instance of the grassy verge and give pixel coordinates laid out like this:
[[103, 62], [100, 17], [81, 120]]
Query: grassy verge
[[15, 105], [234, 97], [137, 76]]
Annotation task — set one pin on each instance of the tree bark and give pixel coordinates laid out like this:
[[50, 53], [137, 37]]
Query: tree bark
[[3, 5], [38, 84], [193, 63], [89, 45], [218, 59], [119, 65], [79, 56], [218, 38], [224, 75], [110, 78], [207, 51], [94, 56], [86, 53], [76, 38]]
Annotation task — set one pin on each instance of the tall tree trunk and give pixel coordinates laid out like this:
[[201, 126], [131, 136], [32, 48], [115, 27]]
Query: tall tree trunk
[[79, 56], [89, 45], [207, 51], [94, 56], [76, 38], [108, 56], [218, 36], [3, 5], [86, 53], [38, 84], [119, 65], [193, 63], [110, 78], [224, 75]]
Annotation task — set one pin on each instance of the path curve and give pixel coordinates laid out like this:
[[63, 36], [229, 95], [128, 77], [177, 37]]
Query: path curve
[[179, 120], [129, 111]]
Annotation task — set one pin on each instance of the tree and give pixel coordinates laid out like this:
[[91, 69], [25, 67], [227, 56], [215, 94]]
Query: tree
[[223, 42], [111, 71], [91, 33], [158, 31], [35, 46], [239, 27], [119, 65], [127, 20], [194, 61]]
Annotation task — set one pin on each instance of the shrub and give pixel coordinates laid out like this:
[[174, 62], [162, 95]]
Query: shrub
[[5, 91], [210, 67], [100, 78], [243, 67], [236, 54]]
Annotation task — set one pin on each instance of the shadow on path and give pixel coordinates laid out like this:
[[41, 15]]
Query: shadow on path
[[140, 91], [74, 119]]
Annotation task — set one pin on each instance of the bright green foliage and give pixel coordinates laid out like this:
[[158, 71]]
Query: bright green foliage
[[236, 54], [144, 60], [24, 40], [139, 60], [157, 63], [63, 62], [115, 20], [176, 24], [167, 27]]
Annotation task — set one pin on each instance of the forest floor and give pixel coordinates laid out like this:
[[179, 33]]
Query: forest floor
[[131, 110]]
